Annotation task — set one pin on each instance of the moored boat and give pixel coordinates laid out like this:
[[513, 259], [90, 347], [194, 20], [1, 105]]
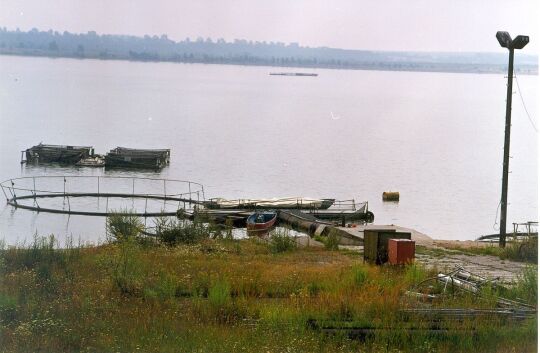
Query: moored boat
[[95, 161], [261, 221], [303, 203]]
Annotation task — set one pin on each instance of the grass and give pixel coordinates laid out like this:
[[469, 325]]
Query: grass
[[220, 295], [517, 250]]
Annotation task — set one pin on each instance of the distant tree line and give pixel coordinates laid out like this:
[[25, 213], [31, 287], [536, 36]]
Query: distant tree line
[[242, 52]]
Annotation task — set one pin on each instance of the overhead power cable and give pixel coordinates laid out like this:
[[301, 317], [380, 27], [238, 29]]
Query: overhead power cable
[[524, 106]]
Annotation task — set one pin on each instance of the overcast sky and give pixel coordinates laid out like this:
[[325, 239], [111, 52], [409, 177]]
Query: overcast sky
[[420, 25]]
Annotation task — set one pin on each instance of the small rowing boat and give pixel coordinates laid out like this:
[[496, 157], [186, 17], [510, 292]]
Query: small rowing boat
[[261, 221]]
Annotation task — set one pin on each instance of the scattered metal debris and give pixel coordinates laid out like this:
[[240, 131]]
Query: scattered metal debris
[[462, 280]]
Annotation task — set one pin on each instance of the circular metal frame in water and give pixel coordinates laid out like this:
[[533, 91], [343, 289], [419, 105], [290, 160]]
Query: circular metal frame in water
[[188, 194]]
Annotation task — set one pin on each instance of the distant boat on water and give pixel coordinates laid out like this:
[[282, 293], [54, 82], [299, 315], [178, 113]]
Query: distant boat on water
[[293, 74]]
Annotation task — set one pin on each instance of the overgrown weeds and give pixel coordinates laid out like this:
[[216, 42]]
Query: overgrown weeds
[[526, 287], [280, 242], [523, 250], [127, 271], [330, 241], [123, 225], [211, 297], [173, 231]]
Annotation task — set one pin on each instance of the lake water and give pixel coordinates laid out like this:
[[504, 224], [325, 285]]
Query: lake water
[[437, 138]]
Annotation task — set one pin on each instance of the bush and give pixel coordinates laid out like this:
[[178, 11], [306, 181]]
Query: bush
[[122, 225], [282, 242], [127, 270], [172, 232], [332, 241]]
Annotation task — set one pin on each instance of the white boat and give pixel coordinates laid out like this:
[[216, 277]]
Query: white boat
[[95, 161], [273, 203]]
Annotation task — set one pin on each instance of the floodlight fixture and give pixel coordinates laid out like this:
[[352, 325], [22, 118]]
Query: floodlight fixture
[[520, 41], [504, 39]]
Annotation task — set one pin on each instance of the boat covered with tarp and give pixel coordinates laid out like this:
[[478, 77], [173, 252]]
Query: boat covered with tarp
[[272, 203]]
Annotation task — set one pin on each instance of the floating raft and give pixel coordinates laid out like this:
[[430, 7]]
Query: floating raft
[[58, 153], [137, 158], [293, 74]]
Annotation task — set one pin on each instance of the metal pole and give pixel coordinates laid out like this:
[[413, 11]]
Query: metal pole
[[506, 160], [7, 198]]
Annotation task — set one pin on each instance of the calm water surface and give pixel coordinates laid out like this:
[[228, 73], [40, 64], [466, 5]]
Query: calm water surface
[[437, 138]]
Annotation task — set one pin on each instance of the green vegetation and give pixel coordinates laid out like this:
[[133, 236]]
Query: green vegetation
[[172, 232], [223, 295], [121, 225], [330, 241], [517, 250], [282, 242]]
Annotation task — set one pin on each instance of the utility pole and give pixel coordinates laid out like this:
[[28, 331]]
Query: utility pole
[[518, 43]]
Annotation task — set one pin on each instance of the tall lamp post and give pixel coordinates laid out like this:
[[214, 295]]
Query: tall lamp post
[[518, 43]]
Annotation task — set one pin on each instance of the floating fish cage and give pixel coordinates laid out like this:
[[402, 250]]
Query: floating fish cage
[[119, 157], [103, 195], [137, 158], [57, 154]]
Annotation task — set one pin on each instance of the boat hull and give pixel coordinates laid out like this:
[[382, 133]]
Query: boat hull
[[254, 224]]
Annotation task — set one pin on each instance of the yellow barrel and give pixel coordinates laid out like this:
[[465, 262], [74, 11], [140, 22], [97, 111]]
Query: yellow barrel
[[390, 196]]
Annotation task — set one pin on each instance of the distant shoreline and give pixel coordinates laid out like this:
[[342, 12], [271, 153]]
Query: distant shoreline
[[416, 67], [92, 45]]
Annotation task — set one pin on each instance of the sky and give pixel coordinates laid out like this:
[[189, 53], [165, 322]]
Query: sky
[[396, 25]]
